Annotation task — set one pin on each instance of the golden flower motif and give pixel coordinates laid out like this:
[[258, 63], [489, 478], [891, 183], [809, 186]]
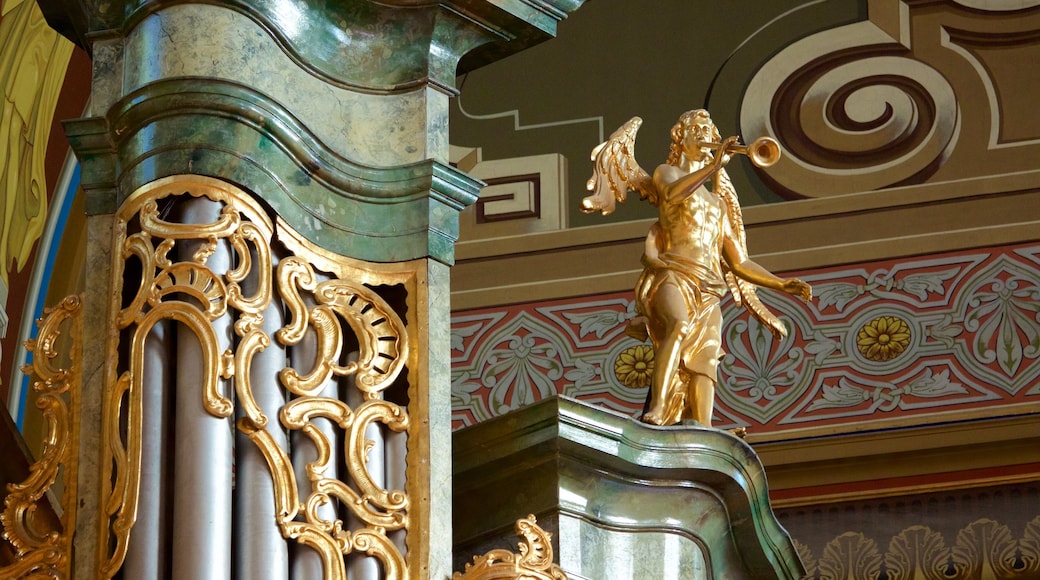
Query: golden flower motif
[[635, 365], [883, 338]]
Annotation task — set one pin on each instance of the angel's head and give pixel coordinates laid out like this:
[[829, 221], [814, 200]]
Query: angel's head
[[692, 129]]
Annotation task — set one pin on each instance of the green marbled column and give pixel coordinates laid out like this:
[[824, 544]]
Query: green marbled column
[[335, 114]]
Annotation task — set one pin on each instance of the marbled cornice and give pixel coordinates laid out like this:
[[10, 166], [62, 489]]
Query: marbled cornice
[[388, 46], [520, 23], [90, 140], [385, 49], [222, 129]]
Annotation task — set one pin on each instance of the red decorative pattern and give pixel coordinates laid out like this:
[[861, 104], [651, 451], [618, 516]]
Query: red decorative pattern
[[881, 340]]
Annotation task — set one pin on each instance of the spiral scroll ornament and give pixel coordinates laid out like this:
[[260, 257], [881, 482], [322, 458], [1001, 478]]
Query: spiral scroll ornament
[[859, 118]]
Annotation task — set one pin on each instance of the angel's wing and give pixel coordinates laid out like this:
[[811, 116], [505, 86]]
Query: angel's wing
[[745, 293], [615, 171]]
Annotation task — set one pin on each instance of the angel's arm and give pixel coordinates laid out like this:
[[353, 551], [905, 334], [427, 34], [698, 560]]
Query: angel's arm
[[675, 185], [746, 268]]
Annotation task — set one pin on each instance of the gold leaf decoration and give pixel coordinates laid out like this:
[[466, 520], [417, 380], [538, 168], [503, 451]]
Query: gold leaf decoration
[[220, 270], [634, 366], [43, 553], [533, 562], [883, 338]]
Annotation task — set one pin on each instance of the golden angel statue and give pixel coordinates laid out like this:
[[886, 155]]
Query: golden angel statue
[[694, 251]]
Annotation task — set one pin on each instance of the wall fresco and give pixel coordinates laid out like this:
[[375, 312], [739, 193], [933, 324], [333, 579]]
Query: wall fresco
[[899, 339]]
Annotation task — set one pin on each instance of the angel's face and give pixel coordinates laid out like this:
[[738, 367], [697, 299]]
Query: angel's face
[[699, 131]]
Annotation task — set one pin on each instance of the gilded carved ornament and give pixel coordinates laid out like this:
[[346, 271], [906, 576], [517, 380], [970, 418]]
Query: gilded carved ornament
[[43, 553], [178, 283], [534, 561]]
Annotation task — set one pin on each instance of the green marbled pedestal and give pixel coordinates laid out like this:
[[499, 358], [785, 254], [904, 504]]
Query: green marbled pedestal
[[624, 500]]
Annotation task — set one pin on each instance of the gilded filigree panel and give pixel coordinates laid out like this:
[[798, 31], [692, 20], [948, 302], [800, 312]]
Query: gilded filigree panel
[[42, 550], [205, 257]]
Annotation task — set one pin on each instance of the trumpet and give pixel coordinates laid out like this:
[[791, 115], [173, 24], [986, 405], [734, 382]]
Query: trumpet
[[762, 152]]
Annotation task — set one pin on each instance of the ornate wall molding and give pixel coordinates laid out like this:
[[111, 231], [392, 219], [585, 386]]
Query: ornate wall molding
[[975, 533], [520, 196], [886, 342], [919, 93]]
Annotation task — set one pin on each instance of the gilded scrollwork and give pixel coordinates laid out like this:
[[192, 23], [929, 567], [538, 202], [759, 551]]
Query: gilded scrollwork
[[534, 561], [328, 298], [377, 326], [47, 552]]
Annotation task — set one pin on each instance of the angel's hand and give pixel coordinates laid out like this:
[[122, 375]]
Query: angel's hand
[[728, 143], [796, 287], [722, 155]]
